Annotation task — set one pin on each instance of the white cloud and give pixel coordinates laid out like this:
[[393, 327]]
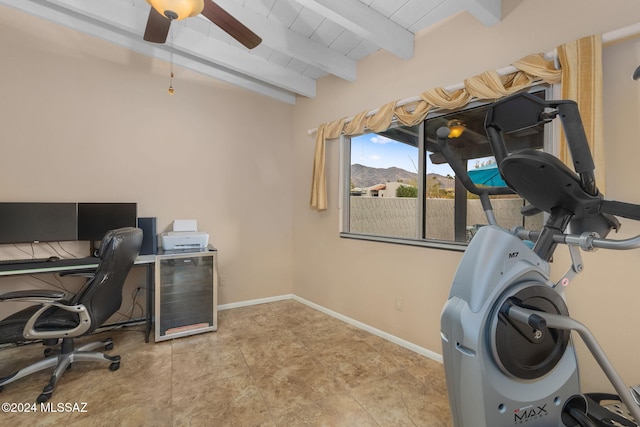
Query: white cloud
[[377, 139]]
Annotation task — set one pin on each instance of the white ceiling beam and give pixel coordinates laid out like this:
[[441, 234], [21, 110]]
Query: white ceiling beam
[[489, 12], [113, 13], [442, 11], [291, 43], [206, 69], [132, 20], [365, 22], [225, 55]]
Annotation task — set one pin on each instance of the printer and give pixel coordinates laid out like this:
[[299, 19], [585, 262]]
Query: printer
[[185, 235]]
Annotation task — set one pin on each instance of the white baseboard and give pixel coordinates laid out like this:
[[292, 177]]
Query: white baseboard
[[254, 302], [382, 334]]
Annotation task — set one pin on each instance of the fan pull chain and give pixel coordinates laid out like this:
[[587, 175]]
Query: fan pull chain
[[171, 90]]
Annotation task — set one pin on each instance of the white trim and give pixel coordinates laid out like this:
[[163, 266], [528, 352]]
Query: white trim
[[382, 334], [254, 302]]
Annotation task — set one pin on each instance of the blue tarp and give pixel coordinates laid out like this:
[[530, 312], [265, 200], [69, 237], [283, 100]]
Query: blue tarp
[[487, 175]]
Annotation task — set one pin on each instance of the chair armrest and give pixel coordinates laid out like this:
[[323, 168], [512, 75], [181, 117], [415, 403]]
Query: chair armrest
[[49, 298], [48, 295], [84, 323]]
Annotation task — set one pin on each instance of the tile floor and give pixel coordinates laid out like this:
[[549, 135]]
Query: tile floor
[[276, 364]]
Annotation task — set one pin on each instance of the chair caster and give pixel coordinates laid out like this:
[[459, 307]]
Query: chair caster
[[46, 394], [48, 352], [108, 344], [115, 362]]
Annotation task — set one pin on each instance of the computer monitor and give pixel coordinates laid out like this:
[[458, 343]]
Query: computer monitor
[[37, 222], [95, 219]]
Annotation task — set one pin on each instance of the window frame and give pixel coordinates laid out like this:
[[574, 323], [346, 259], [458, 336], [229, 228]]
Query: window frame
[[551, 138]]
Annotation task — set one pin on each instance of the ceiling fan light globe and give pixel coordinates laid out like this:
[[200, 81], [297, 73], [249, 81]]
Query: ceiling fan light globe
[[180, 8]]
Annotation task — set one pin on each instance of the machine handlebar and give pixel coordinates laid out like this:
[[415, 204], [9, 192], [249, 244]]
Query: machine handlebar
[[586, 241]]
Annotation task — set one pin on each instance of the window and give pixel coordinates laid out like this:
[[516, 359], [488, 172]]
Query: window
[[397, 188]]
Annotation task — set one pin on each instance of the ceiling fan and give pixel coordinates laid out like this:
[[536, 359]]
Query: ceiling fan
[[164, 11]]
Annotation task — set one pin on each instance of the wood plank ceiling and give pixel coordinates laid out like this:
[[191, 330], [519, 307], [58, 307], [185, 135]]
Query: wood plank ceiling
[[303, 40]]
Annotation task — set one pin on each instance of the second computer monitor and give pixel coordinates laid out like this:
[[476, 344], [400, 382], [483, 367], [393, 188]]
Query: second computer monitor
[[95, 219]]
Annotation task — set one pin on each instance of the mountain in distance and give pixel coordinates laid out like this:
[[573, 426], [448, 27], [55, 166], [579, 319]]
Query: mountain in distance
[[365, 176]]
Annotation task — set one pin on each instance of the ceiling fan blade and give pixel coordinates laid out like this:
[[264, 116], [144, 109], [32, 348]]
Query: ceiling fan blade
[[231, 25], [157, 27]]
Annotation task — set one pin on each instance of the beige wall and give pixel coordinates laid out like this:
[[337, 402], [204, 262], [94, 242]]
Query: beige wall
[[84, 120], [329, 270]]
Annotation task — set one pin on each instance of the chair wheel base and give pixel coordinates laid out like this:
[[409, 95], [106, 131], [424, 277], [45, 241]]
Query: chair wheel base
[[114, 366]]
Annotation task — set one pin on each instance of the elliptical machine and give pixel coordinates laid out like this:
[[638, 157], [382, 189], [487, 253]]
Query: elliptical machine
[[506, 330]]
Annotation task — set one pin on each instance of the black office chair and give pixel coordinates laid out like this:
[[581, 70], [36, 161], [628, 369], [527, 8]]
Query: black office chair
[[57, 318]]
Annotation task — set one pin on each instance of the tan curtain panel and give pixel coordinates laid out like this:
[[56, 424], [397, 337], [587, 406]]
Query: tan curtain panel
[[319, 186], [488, 85], [581, 63]]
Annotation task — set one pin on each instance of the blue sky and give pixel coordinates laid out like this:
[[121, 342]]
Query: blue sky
[[379, 152]]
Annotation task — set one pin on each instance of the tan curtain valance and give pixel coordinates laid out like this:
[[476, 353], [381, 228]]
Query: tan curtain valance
[[488, 85], [581, 76]]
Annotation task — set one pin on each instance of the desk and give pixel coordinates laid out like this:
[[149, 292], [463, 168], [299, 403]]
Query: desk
[[69, 265]]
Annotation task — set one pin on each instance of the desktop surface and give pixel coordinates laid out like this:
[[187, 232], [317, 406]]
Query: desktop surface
[[8, 268], [37, 264]]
